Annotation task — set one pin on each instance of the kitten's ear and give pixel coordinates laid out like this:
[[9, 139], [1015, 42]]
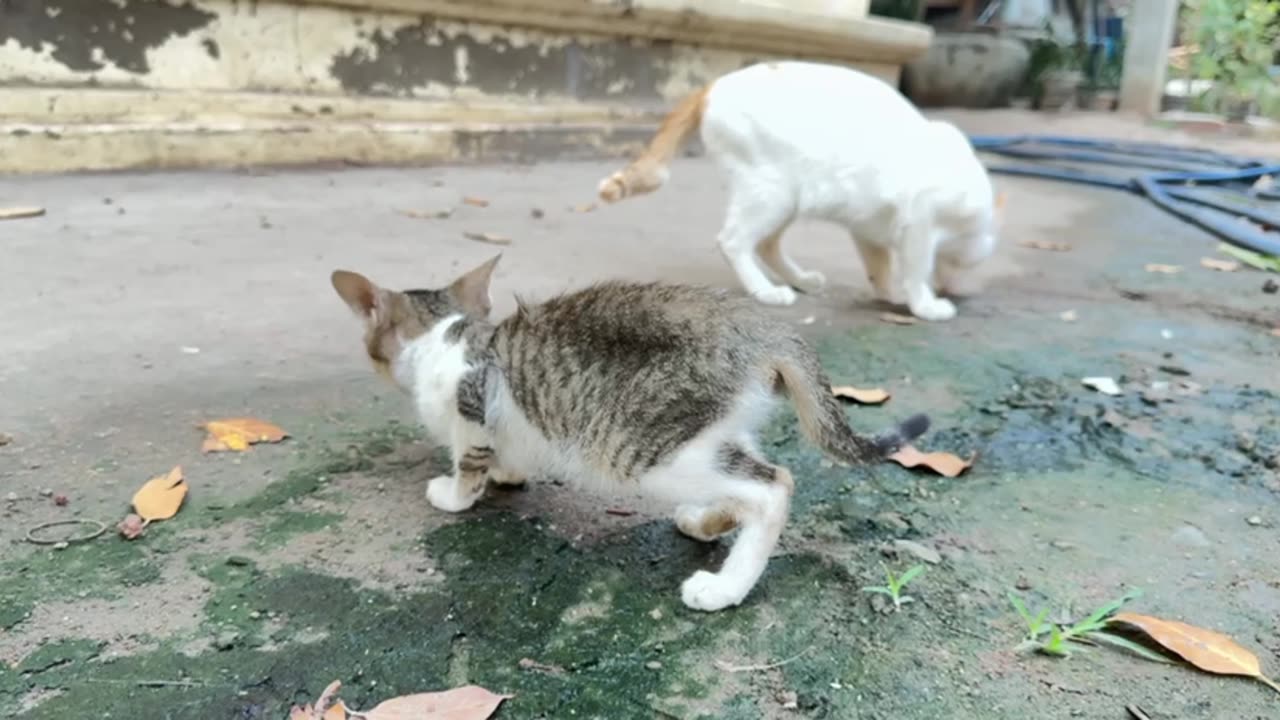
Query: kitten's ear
[[358, 291], [472, 290]]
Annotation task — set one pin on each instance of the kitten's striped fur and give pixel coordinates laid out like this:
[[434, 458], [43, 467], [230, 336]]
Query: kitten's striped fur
[[660, 387]]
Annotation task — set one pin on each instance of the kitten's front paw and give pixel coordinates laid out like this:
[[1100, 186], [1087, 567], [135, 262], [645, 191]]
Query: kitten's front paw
[[776, 295], [709, 592], [937, 310], [810, 282], [444, 494]]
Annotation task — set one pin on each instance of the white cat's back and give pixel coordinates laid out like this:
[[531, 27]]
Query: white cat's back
[[820, 129]]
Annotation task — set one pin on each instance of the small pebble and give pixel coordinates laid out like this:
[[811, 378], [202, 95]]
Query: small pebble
[[1254, 520], [11, 497], [255, 615], [653, 665], [1270, 287], [46, 492], [1023, 584]]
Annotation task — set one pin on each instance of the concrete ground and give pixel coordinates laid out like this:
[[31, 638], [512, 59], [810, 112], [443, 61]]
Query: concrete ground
[[142, 305]]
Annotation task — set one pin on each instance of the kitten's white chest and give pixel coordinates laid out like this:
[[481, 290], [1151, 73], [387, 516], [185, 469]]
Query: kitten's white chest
[[431, 367]]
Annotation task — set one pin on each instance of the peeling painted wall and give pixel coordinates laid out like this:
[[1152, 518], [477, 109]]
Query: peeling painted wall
[[250, 46]]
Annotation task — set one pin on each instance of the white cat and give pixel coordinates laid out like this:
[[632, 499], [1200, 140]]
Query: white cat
[[803, 140]]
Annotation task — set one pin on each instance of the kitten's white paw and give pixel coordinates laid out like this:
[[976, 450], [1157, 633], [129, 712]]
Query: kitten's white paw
[[444, 494], [811, 281], [776, 295], [937, 310], [709, 592]]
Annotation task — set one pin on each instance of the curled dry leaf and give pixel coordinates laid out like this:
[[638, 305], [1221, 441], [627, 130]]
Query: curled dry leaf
[[1166, 269], [16, 213], [491, 238], [1046, 245], [465, 703], [1209, 651], [862, 396], [897, 319], [239, 433], [160, 497], [1219, 265], [475, 201], [943, 463], [131, 526]]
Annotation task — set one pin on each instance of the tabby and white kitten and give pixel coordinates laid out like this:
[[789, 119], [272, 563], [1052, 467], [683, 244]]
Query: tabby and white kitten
[[659, 388], [802, 140]]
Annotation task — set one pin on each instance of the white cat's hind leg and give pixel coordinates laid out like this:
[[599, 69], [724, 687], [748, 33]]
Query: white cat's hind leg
[[877, 262], [809, 281], [751, 217]]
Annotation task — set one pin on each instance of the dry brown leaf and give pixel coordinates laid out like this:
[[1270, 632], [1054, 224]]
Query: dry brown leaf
[[862, 396], [1046, 245], [432, 215], [475, 201], [1220, 265], [1166, 269], [897, 319], [1208, 650], [16, 213], [943, 463], [465, 703], [160, 497], [491, 238], [318, 712], [239, 433]]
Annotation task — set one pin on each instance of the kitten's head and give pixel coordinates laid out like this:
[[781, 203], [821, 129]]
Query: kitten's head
[[393, 319]]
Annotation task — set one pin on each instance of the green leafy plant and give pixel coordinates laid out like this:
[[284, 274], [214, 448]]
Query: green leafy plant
[[1056, 639], [894, 585], [1237, 42]]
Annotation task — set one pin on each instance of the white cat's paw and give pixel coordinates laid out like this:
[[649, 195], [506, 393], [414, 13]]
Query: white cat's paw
[[810, 282], [776, 295], [445, 494], [709, 592], [936, 310]]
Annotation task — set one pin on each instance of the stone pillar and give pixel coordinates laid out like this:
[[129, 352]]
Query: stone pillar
[[1148, 37]]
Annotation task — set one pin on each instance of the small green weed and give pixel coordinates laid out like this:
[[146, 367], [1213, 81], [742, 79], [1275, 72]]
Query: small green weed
[[1089, 631], [893, 585]]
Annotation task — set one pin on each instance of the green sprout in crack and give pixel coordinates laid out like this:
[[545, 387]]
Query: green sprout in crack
[[1055, 639], [893, 585]]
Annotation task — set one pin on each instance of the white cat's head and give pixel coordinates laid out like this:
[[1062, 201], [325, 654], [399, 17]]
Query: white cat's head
[[394, 318], [957, 260]]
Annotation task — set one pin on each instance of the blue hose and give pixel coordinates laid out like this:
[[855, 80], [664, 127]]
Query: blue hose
[[1179, 188]]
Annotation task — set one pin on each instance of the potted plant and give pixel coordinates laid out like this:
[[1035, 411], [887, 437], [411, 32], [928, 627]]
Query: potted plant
[[1237, 40], [1057, 68]]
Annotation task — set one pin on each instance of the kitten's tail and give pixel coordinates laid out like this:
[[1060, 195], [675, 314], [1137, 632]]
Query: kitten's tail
[[823, 421], [649, 171]]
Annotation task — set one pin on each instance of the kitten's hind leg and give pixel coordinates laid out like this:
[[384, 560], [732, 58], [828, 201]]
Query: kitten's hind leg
[[809, 281], [750, 219], [760, 495], [706, 523]]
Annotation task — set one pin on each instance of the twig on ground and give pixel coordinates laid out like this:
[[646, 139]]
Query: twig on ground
[[1137, 713], [758, 668], [100, 527], [150, 683]]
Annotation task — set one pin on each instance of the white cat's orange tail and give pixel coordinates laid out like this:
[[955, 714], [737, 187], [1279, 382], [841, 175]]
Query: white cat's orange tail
[[649, 171]]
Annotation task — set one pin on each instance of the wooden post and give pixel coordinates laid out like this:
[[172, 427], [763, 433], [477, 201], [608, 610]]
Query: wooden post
[[1148, 36]]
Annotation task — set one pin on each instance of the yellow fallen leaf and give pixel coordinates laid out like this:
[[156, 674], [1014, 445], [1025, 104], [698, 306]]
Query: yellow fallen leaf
[[16, 213], [313, 712], [862, 396], [239, 433], [1209, 651], [1166, 269], [161, 496], [943, 463], [1046, 245], [465, 703], [897, 319], [1220, 265]]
